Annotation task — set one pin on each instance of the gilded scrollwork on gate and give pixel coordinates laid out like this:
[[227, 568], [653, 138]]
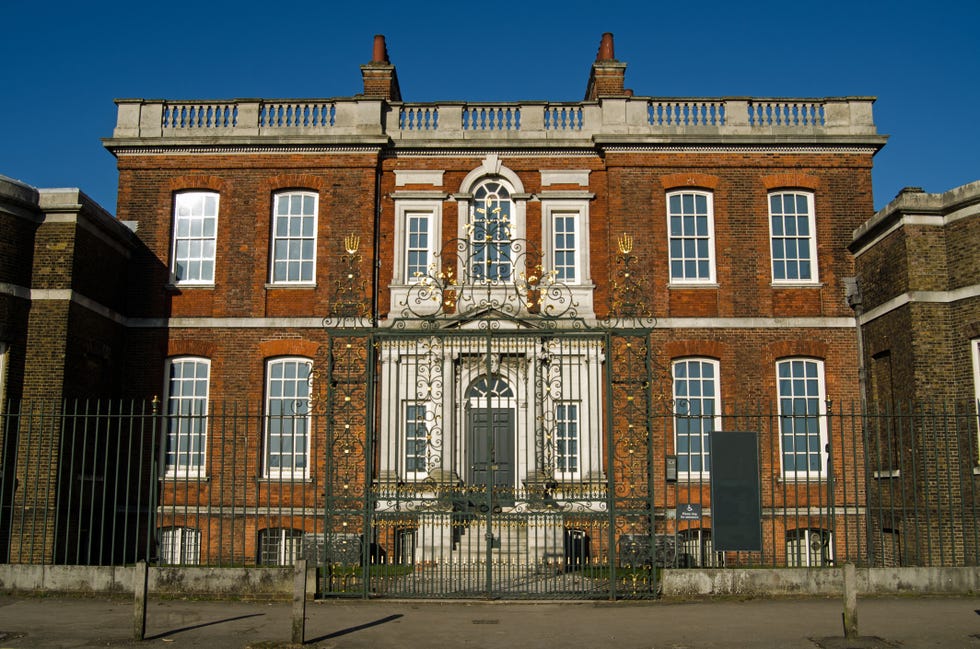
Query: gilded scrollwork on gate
[[477, 276]]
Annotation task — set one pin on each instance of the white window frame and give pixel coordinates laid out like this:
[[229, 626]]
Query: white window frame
[[695, 402], [289, 239], [180, 546], [561, 434], [578, 210], [303, 388], [683, 238], [800, 553], [795, 399], [404, 211], [784, 238], [185, 421], [186, 232], [425, 421], [288, 545]]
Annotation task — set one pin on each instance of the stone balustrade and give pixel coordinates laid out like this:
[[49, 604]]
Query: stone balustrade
[[635, 117]]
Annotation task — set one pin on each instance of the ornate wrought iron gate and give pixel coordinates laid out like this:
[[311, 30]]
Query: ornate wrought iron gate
[[490, 443], [497, 463]]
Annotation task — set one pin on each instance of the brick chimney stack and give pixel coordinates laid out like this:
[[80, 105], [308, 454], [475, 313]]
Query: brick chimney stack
[[608, 74], [380, 78]]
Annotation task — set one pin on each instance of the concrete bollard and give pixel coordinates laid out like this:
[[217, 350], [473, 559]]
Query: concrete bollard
[[140, 581], [850, 602], [299, 601]]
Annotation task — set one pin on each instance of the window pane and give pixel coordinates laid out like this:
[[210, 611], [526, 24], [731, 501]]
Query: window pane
[[690, 244], [195, 230], [800, 395], [695, 398], [287, 416], [793, 246], [187, 407], [294, 237]]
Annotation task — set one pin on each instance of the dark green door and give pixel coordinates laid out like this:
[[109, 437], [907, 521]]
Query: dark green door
[[491, 455]]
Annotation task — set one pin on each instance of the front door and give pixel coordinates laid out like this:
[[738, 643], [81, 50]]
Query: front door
[[491, 456]]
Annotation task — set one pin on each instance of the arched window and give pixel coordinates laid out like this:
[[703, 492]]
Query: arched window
[[690, 221], [187, 415], [491, 233], [802, 424], [696, 413], [294, 224], [793, 237], [195, 236], [287, 417]]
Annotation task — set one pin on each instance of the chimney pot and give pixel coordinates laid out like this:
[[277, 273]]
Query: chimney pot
[[606, 50], [380, 50]]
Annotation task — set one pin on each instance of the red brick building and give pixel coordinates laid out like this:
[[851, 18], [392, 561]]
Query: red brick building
[[494, 334]]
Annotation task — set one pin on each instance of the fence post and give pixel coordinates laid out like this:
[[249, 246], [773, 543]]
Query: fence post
[[140, 579], [850, 602], [299, 601]]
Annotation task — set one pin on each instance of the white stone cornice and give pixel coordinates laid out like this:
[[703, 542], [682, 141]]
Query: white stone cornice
[[419, 194], [98, 232], [756, 323], [921, 220], [65, 294], [522, 152], [662, 323], [227, 323], [232, 149], [735, 148], [565, 194], [920, 297]]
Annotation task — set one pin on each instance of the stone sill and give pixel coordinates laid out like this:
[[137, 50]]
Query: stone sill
[[170, 286], [795, 285], [886, 475], [801, 481], [186, 478], [289, 287], [680, 286]]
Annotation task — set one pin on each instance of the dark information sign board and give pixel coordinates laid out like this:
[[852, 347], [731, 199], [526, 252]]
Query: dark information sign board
[[736, 492]]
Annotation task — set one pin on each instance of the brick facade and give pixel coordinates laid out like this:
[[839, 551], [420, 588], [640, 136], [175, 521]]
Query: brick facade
[[64, 278], [918, 269], [613, 161]]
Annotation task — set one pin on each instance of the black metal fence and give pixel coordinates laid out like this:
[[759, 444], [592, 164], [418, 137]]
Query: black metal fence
[[110, 483]]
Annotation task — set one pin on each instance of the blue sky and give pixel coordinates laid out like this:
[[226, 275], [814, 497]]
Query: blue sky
[[65, 62]]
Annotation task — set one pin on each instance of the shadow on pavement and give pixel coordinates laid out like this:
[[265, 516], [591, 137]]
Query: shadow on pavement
[[359, 627], [201, 625]]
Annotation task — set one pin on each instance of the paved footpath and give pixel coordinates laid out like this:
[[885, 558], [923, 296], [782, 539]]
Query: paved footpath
[[912, 622]]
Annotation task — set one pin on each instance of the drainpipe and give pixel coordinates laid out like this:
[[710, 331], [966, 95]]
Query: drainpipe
[[376, 253], [855, 300], [852, 292]]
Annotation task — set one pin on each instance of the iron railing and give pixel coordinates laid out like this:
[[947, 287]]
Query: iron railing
[[85, 483]]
